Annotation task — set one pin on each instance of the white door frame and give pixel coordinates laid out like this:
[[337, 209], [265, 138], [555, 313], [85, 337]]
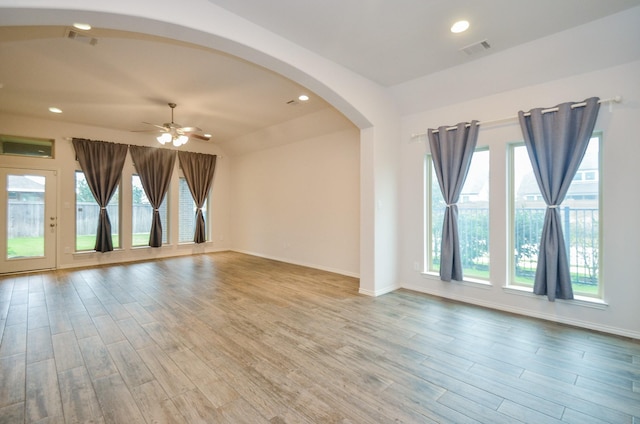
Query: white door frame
[[50, 224]]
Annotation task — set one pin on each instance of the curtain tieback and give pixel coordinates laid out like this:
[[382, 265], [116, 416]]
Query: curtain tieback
[[452, 204], [156, 210], [103, 208], [553, 206]]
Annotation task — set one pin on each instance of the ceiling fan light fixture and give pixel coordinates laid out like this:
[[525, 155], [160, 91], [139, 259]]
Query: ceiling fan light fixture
[[177, 134], [180, 140], [164, 138]]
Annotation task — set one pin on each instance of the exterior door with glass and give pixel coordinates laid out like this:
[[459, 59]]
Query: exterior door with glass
[[28, 222]]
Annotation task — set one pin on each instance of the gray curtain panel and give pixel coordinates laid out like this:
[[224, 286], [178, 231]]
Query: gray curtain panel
[[451, 151], [198, 169], [102, 164], [154, 167], [556, 143]]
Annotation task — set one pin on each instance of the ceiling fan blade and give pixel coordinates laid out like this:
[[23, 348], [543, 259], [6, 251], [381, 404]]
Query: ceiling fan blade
[[200, 137], [190, 129], [155, 130], [162, 127]]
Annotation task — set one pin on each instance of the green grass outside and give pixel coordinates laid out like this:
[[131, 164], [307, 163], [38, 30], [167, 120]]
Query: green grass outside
[[20, 247], [34, 246], [84, 243], [578, 288], [482, 274]]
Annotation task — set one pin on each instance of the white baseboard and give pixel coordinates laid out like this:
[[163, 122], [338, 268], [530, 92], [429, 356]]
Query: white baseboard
[[378, 292], [529, 313], [118, 256], [306, 264]]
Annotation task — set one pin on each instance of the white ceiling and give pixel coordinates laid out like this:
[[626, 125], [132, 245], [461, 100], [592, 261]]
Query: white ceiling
[[393, 41], [128, 78]]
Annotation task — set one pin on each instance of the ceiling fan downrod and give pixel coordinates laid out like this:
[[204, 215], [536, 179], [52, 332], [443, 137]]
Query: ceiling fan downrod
[[172, 106]]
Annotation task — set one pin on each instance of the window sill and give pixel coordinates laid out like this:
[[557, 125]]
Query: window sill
[[584, 301], [146, 246], [471, 282], [80, 253]]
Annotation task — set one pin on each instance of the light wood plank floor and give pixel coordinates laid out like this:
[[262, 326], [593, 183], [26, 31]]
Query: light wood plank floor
[[231, 338]]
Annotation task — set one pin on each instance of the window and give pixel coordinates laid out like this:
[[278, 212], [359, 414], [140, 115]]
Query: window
[[473, 218], [579, 212], [187, 213], [25, 223], [142, 214], [24, 146], [87, 212]]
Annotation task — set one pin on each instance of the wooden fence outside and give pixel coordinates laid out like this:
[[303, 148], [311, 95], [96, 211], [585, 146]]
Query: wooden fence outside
[[25, 219]]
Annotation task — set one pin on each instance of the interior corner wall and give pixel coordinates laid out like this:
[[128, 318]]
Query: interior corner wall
[[300, 202], [620, 200]]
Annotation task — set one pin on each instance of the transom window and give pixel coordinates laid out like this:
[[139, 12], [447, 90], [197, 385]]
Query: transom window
[[26, 146]]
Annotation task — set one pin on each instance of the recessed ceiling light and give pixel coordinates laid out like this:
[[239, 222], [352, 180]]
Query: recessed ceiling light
[[460, 26], [55, 110], [303, 97], [81, 26], [207, 135]]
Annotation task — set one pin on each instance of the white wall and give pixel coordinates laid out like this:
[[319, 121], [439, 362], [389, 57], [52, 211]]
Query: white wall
[[65, 165], [299, 202], [620, 199]]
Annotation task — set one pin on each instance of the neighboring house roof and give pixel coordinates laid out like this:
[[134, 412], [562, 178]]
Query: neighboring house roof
[[21, 183], [529, 186]]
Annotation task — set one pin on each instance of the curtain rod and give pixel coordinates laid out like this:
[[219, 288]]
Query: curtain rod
[[616, 99], [219, 156]]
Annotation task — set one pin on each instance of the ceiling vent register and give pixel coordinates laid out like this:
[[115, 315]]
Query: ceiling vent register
[[478, 47], [72, 34]]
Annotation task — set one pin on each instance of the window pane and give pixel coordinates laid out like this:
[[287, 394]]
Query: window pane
[[186, 213], [529, 210], [87, 212], [142, 215], [25, 216], [473, 219], [23, 146], [579, 217]]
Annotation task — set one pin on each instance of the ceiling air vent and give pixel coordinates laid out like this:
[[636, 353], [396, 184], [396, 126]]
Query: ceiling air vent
[[478, 47], [75, 35]]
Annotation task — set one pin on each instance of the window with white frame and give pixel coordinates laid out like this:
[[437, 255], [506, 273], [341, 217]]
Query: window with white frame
[[473, 217], [87, 213], [580, 217], [187, 213], [142, 214]]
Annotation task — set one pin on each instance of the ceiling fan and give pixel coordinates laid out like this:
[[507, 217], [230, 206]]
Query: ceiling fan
[[176, 133]]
